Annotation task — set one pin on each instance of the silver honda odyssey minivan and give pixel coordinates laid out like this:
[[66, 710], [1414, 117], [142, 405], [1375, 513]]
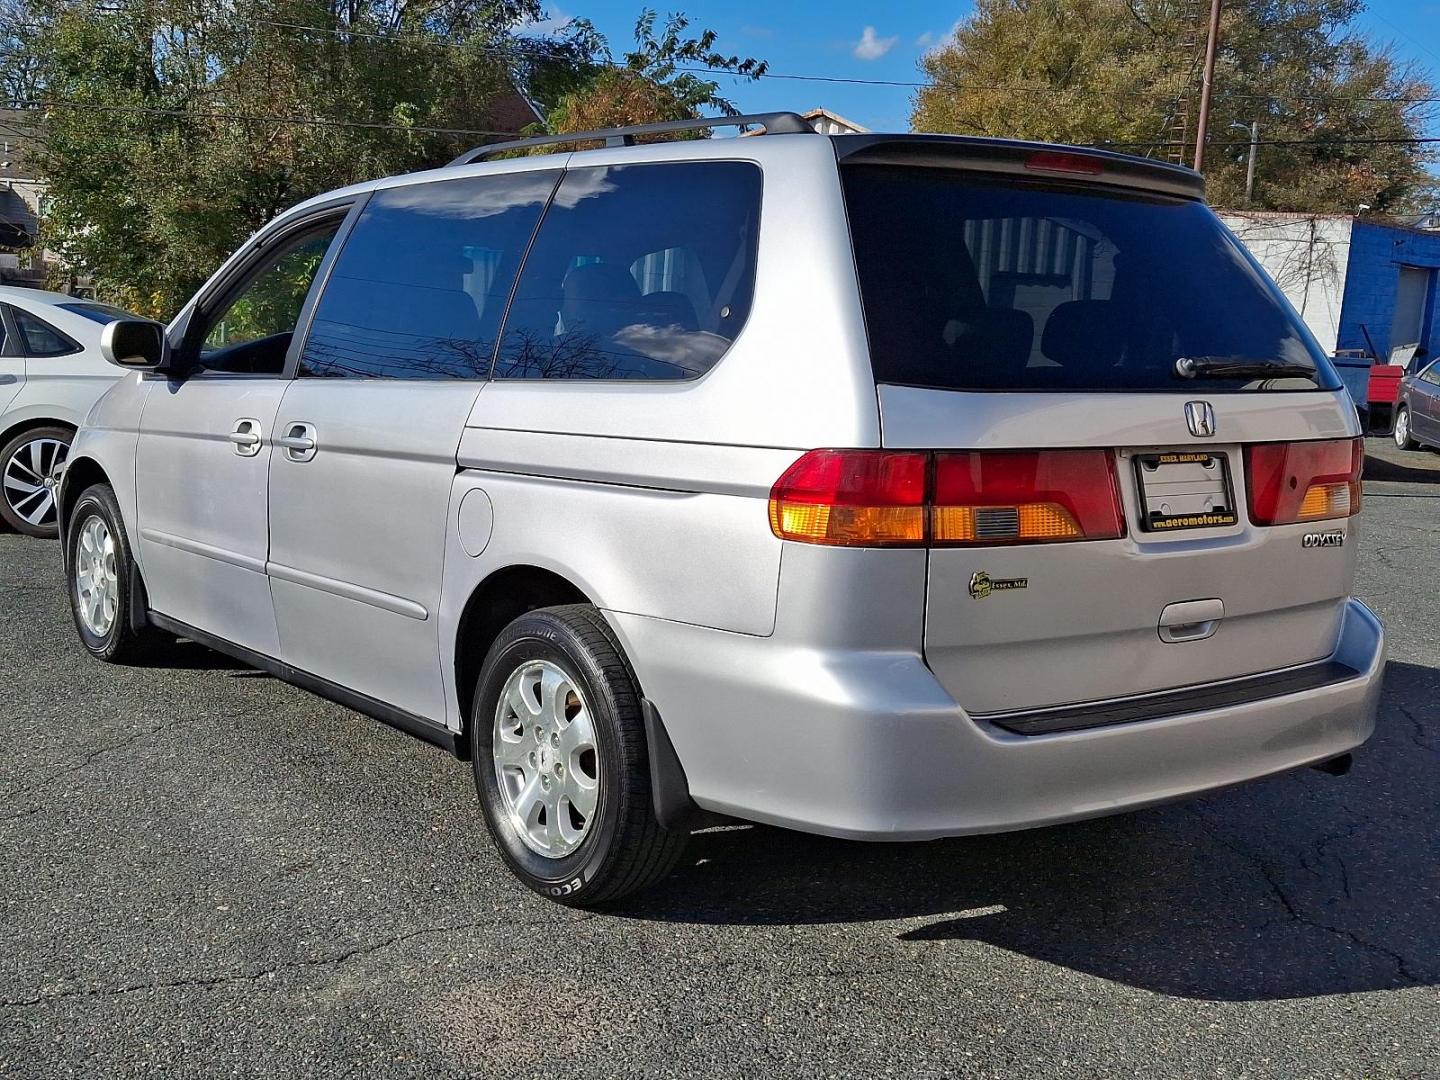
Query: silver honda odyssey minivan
[[877, 486]]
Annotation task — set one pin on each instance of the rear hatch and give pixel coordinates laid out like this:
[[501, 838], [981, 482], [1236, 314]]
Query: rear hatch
[[1141, 465]]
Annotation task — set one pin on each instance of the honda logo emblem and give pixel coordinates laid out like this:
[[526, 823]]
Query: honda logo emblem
[[1200, 416]]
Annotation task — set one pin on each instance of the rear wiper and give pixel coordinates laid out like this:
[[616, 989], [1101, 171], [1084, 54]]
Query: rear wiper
[[1232, 367]]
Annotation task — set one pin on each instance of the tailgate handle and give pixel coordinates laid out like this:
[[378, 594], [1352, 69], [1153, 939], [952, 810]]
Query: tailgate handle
[[1190, 620]]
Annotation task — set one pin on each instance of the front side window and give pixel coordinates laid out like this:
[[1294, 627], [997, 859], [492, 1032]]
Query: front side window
[[420, 287], [41, 339], [637, 272], [975, 284], [1431, 374], [251, 333]]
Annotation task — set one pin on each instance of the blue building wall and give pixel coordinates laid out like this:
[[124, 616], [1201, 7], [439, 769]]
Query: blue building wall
[[1377, 252]]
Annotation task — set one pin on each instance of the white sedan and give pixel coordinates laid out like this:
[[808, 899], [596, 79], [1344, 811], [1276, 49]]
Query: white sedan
[[51, 372]]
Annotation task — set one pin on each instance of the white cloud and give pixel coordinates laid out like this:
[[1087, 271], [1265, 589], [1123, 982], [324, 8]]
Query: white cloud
[[925, 40], [871, 46], [555, 20]]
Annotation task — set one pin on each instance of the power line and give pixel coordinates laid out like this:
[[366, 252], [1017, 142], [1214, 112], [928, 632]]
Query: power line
[[375, 125], [541, 47], [538, 47], [1316, 143]]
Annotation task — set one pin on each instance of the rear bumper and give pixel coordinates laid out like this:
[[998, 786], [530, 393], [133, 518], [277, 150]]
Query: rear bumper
[[868, 745]]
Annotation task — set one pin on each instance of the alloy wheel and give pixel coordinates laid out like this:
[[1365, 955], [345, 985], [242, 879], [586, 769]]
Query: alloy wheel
[[97, 585], [32, 480], [1402, 428], [546, 759]]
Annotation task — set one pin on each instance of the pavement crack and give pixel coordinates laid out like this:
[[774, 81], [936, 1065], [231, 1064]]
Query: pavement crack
[[1418, 734], [94, 755], [204, 982], [1296, 915]]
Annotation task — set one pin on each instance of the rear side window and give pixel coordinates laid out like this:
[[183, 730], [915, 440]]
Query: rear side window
[[637, 272], [41, 339], [420, 287], [978, 284]]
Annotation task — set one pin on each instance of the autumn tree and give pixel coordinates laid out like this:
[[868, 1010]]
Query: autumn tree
[[666, 76], [1337, 113]]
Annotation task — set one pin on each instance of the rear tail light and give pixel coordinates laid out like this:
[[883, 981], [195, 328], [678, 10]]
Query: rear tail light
[[885, 498], [863, 498], [1303, 481], [1026, 497]]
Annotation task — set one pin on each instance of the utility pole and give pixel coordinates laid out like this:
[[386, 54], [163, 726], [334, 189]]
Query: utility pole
[[1250, 168], [1202, 127], [1254, 129]]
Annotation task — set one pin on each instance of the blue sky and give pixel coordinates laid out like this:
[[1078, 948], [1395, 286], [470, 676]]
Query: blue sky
[[861, 39]]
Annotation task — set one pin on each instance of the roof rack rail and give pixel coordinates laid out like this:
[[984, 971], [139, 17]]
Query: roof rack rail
[[775, 123]]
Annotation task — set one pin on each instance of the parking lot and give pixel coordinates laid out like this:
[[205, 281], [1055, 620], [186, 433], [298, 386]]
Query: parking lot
[[207, 872]]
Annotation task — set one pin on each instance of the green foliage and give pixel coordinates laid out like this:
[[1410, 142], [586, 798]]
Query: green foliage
[[271, 303], [180, 126], [1128, 72]]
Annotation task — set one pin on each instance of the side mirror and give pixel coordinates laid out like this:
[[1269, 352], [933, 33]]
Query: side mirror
[[135, 343]]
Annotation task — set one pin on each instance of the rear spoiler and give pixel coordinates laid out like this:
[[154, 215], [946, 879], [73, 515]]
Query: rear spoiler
[[1035, 161]]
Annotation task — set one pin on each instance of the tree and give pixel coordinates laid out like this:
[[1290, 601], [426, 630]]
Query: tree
[[1335, 110], [175, 128], [656, 81]]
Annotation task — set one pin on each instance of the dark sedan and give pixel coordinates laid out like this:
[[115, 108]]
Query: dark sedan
[[1417, 410]]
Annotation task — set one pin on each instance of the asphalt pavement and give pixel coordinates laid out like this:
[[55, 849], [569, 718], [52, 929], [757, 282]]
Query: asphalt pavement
[[205, 872]]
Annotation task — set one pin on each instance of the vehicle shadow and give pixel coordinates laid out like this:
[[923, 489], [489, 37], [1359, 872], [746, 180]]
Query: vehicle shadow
[[1296, 886], [1423, 469], [186, 655]]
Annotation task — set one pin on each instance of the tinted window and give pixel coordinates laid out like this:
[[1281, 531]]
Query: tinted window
[[100, 313], [42, 339], [638, 272], [420, 287], [1432, 373], [969, 284], [252, 333]]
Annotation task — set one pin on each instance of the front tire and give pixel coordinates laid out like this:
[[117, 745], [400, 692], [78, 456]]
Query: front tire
[[100, 573], [561, 763], [30, 466], [1403, 438]]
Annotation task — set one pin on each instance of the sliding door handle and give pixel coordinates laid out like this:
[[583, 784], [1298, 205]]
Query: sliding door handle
[[299, 442], [247, 437]]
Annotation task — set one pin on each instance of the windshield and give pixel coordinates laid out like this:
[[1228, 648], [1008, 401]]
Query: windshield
[[95, 312], [979, 284]]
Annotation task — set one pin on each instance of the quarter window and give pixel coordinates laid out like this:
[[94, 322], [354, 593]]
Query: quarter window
[[637, 272], [41, 339], [420, 287]]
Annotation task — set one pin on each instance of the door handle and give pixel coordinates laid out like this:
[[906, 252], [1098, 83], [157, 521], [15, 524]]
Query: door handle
[[247, 437], [6, 380], [1191, 620], [299, 442]]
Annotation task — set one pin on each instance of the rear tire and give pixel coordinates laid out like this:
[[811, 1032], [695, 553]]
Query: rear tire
[[100, 574], [29, 483], [1401, 433], [557, 705]]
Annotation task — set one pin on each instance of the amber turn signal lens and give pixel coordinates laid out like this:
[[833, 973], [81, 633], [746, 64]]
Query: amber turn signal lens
[[998, 524], [1325, 501], [848, 525]]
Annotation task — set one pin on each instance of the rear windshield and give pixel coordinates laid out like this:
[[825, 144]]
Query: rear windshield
[[972, 284], [95, 312]]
